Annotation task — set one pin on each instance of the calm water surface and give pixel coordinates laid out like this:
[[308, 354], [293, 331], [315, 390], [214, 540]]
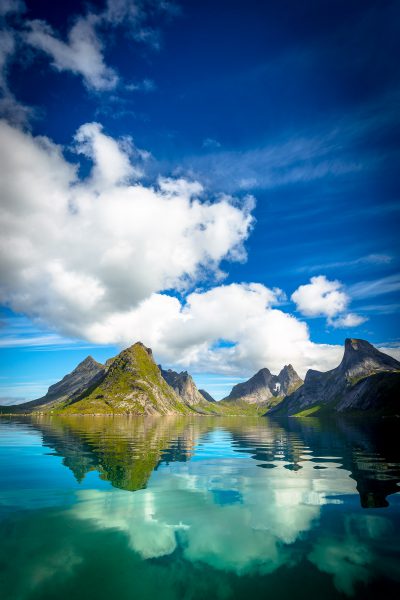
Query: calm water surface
[[201, 508]]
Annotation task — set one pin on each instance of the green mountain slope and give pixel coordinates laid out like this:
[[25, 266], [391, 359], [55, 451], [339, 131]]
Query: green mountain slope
[[132, 384]]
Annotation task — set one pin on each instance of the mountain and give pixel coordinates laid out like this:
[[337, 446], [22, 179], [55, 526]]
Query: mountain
[[132, 384], [86, 373], [206, 396], [289, 380], [183, 385], [366, 379], [264, 388]]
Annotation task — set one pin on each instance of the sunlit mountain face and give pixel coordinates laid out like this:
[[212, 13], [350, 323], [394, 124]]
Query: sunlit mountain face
[[220, 507]]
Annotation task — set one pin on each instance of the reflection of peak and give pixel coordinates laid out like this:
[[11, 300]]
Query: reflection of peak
[[124, 451]]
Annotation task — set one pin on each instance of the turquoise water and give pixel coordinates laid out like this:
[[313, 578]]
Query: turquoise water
[[201, 508]]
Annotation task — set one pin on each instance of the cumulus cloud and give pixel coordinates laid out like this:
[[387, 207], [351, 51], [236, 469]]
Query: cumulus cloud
[[95, 258], [348, 320], [188, 334], [320, 297], [325, 298], [106, 243]]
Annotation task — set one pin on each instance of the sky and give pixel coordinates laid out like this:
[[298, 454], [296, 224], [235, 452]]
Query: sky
[[216, 179]]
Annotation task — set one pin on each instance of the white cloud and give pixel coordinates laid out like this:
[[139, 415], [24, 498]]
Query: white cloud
[[77, 251], [320, 297], [376, 287], [243, 314], [391, 349], [348, 320], [81, 54], [294, 160], [93, 259], [324, 298], [111, 161]]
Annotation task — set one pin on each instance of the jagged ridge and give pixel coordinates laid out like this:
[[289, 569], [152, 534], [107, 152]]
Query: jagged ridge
[[264, 387], [183, 385], [365, 379]]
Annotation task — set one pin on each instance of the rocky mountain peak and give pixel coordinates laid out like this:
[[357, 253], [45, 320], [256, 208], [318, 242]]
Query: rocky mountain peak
[[288, 380], [88, 363], [131, 384], [361, 358], [182, 383], [264, 386], [139, 346], [365, 379]]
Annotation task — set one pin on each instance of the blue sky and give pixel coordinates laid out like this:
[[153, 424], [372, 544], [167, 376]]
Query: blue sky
[[159, 159]]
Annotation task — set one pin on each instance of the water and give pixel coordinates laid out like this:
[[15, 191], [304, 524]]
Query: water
[[200, 508]]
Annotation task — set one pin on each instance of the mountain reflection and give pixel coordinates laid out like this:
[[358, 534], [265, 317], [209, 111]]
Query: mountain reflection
[[125, 451], [224, 507]]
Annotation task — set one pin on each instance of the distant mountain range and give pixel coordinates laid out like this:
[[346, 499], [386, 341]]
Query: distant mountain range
[[366, 380]]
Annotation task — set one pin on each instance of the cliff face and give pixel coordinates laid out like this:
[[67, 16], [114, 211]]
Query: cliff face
[[288, 380], [206, 396], [183, 385], [263, 386], [365, 379]]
